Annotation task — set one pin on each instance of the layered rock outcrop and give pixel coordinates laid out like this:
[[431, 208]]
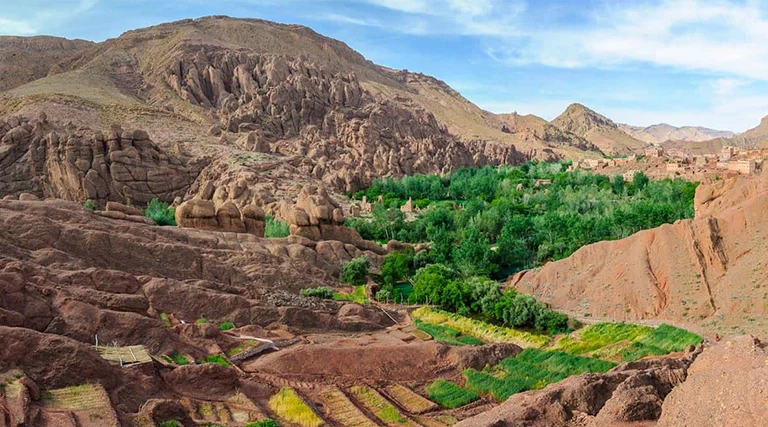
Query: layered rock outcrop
[[79, 164], [292, 106]]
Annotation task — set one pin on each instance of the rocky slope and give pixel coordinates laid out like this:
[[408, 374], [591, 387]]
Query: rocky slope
[[662, 132], [708, 273], [25, 59], [279, 96], [597, 129]]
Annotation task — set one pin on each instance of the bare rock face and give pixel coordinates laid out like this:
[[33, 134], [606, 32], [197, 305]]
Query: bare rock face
[[292, 106], [80, 164], [726, 386], [317, 217]]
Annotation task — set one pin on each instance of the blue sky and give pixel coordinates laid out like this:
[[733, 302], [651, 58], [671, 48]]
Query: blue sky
[[684, 62]]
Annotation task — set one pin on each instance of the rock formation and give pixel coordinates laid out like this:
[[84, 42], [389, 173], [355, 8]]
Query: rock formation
[[318, 217], [296, 107], [40, 158], [207, 214]]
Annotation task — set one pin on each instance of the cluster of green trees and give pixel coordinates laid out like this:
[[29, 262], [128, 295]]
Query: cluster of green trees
[[455, 291], [495, 221]]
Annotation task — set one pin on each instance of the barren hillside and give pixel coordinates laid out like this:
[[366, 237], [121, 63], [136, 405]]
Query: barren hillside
[[597, 129]]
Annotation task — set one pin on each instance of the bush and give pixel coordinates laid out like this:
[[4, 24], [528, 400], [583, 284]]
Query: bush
[[276, 228], [201, 321], [169, 423], [356, 271], [325, 292], [225, 326], [160, 212], [90, 205]]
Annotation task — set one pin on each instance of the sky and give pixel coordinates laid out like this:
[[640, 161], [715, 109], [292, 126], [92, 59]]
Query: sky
[[682, 62]]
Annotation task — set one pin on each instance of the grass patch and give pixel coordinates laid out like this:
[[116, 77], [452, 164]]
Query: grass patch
[[276, 228], [289, 406], [243, 346], [177, 358], [450, 395], [166, 321], [481, 330], [225, 326], [358, 295], [446, 334], [378, 405], [599, 335], [216, 359], [325, 292]]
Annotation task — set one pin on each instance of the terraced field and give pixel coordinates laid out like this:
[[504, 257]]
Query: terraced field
[[340, 409], [290, 407], [409, 400], [375, 403], [480, 330]]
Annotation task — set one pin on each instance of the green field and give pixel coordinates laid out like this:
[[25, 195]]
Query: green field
[[450, 395], [596, 348], [532, 369], [446, 334], [358, 295]]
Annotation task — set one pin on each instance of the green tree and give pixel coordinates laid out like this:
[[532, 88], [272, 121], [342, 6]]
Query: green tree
[[473, 256], [356, 271], [397, 266]]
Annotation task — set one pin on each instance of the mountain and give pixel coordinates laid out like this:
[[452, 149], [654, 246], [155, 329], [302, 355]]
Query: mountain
[[755, 137], [223, 87], [656, 134], [597, 129], [534, 128], [24, 59]]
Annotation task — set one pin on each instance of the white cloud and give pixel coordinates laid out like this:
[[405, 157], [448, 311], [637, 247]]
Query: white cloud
[[727, 86], [37, 17], [21, 28]]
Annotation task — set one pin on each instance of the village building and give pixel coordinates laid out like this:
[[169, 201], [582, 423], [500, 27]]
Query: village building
[[654, 152], [744, 167], [629, 175]]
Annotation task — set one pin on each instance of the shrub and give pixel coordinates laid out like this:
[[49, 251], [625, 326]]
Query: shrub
[[201, 321], [358, 295], [276, 228], [318, 292], [263, 423], [356, 271], [170, 423], [450, 395], [160, 212], [90, 205], [225, 326]]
